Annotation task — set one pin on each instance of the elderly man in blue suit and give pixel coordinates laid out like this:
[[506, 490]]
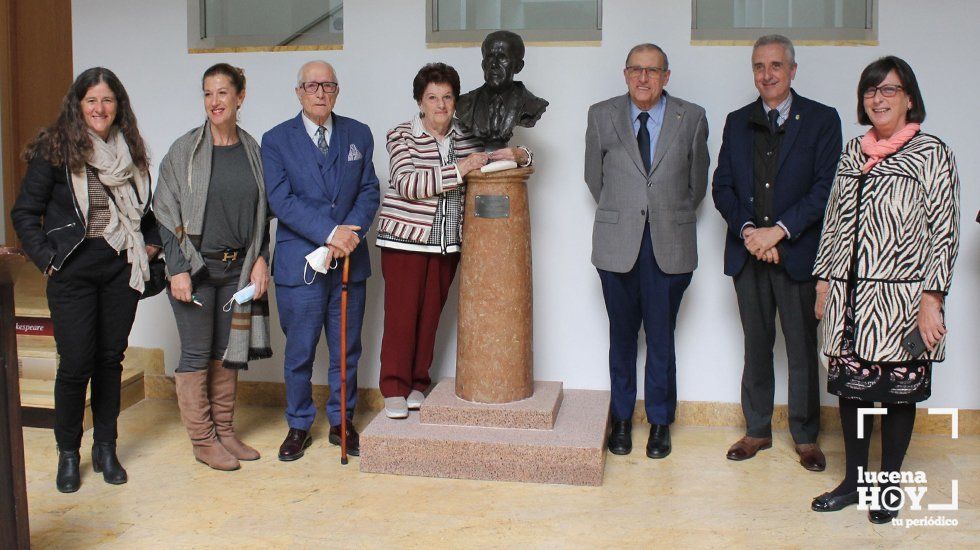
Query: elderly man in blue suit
[[322, 187], [775, 169]]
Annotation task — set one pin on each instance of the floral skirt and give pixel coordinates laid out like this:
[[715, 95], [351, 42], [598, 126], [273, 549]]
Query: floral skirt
[[853, 378]]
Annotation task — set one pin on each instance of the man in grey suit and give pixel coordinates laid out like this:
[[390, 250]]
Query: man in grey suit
[[646, 165]]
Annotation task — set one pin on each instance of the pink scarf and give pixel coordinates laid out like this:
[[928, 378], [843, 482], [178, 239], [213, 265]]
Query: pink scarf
[[877, 149]]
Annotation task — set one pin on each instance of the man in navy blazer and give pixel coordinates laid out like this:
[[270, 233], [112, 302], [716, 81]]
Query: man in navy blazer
[[321, 184], [775, 169]]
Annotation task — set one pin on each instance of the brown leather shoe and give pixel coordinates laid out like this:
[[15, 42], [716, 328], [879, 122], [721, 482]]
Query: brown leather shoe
[[747, 447], [811, 457], [353, 440], [294, 445]]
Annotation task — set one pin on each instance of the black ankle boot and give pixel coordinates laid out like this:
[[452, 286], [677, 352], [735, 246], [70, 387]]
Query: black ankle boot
[[104, 460], [68, 479]]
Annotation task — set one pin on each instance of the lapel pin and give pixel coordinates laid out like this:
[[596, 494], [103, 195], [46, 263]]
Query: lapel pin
[[797, 117]]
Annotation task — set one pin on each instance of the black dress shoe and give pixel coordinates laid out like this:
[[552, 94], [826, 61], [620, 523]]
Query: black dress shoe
[[69, 479], [881, 517], [104, 460], [658, 446], [621, 437], [353, 440], [830, 503], [295, 444]]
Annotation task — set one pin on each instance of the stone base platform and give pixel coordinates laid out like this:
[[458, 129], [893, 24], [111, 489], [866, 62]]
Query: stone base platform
[[537, 412], [572, 453]]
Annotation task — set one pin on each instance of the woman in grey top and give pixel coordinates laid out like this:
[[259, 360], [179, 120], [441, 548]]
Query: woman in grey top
[[211, 207]]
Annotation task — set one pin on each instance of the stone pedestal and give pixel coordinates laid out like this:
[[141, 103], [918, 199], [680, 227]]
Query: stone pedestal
[[494, 421], [494, 345], [453, 438]]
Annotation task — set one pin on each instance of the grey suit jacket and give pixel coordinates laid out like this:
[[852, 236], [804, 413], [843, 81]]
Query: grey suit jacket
[[627, 196]]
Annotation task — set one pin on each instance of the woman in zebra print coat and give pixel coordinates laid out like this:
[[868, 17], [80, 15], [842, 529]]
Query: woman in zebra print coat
[[884, 266]]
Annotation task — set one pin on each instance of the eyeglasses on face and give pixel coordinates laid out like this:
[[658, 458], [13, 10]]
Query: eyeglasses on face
[[888, 90], [634, 71], [311, 87]]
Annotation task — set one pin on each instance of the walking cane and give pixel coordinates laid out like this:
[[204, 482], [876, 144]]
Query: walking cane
[[343, 360]]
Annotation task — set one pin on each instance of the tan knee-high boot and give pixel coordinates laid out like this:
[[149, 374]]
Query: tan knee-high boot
[[222, 388], [195, 411]]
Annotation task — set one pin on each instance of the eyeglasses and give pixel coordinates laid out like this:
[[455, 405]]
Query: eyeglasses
[[311, 87], [634, 71], [888, 90]]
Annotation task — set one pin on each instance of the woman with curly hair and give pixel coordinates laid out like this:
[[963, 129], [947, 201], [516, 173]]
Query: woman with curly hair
[[84, 217]]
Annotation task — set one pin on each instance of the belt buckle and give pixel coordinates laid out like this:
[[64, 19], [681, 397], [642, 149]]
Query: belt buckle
[[229, 256]]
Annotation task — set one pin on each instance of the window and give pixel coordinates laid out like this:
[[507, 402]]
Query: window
[[466, 22], [846, 21], [264, 25]]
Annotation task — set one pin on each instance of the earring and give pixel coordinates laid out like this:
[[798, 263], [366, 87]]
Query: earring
[[421, 114]]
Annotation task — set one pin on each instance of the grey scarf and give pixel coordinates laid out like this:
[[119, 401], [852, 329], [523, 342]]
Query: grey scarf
[[178, 204]]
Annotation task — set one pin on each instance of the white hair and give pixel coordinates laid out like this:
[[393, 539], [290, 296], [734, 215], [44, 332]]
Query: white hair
[[299, 74], [786, 43]]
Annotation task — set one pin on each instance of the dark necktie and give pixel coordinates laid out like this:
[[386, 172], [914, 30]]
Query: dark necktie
[[643, 140], [496, 112], [773, 121], [321, 140]]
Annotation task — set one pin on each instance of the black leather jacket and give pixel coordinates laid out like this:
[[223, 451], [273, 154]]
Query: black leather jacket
[[48, 220]]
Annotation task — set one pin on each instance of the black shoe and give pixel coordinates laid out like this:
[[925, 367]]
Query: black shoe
[[104, 460], [621, 437], [353, 439], [830, 503], [68, 479], [658, 446], [295, 445], [882, 516]]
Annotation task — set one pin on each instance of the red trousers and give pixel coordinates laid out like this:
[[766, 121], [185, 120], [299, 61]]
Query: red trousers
[[416, 287]]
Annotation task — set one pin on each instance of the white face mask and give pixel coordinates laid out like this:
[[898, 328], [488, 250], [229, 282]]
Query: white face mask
[[319, 261], [244, 295]]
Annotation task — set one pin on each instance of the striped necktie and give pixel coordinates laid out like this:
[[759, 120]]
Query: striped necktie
[[321, 140]]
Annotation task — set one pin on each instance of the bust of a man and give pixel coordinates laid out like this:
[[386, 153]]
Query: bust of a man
[[491, 111]]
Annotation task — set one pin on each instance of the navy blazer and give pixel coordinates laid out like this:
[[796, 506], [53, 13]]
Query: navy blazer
[[311, 195], [806, 167]]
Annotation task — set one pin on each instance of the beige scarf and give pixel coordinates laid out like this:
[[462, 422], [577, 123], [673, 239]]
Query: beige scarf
[[129, 189]]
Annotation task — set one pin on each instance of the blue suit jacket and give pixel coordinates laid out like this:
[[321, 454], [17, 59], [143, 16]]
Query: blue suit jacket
[[807, 164], [310, 194]]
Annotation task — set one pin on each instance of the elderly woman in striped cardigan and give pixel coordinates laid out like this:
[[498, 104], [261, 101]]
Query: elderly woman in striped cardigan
[[419, 230]]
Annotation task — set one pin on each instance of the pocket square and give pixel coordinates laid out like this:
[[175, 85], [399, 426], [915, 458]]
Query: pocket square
[[354, 154]]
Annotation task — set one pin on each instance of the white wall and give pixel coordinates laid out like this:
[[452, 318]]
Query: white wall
[[144, 42]]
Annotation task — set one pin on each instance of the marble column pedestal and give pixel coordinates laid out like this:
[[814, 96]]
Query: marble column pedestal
[[555, 436]]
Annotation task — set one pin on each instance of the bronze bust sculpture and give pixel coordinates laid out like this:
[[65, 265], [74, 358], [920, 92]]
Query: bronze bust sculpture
[[491, 111]]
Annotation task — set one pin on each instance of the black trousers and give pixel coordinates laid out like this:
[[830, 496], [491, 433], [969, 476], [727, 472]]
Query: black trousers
[[92, 309], [763, 290]]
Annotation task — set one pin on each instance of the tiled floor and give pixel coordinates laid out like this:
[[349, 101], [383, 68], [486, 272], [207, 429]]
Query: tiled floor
[[694, 498]]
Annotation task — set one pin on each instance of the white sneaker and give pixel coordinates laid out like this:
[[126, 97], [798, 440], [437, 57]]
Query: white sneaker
[[396, 407], [415, 400]]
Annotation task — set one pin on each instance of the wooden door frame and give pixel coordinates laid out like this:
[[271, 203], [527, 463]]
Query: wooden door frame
[[9, 148]]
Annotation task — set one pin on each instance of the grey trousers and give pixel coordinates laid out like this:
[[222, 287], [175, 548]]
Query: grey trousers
[[204, 329], [764, 290]]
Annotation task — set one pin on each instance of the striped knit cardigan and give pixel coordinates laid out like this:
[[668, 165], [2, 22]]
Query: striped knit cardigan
[[897, 228], [417, 177]]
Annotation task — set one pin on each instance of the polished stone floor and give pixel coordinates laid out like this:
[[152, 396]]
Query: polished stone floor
[[694, 498]]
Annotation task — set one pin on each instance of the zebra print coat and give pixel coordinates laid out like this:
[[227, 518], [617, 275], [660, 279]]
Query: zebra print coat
[[897, 228]]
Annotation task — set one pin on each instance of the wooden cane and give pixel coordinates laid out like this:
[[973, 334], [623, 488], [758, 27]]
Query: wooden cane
[[343, 360]]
